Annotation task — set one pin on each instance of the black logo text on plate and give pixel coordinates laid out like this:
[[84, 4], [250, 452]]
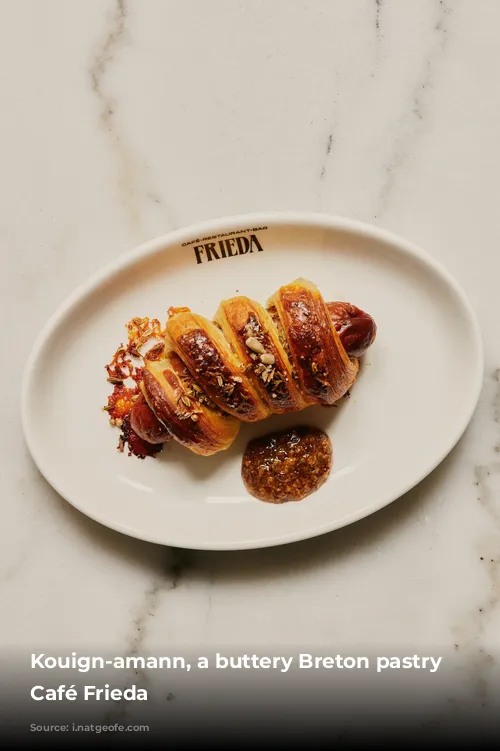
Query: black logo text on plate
[[231, 244]]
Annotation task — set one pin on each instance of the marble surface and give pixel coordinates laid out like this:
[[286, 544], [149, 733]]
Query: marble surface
[[121, 120]]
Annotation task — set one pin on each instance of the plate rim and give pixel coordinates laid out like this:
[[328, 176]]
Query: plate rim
[[274, 218]]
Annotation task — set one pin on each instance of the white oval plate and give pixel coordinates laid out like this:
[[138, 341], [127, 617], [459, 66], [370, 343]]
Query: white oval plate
[[413, 399]]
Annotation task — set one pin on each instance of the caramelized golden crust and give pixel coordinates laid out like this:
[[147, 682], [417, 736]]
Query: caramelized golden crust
[[206, 377], [253, 337], [190, 417], [324, 370], [214, 366]]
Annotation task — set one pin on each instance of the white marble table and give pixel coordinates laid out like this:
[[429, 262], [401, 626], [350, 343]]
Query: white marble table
[[123, 119]]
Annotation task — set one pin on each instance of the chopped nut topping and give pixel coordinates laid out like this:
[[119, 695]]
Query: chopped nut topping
[[254, 344], [267, 358]]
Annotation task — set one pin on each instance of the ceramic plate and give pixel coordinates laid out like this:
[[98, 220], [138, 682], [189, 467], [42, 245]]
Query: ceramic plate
[[413, 399]]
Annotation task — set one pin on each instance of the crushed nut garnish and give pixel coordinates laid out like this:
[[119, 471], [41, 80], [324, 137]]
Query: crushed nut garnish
[[254, 344], [119, 369], [251, 328], [267, 358]]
